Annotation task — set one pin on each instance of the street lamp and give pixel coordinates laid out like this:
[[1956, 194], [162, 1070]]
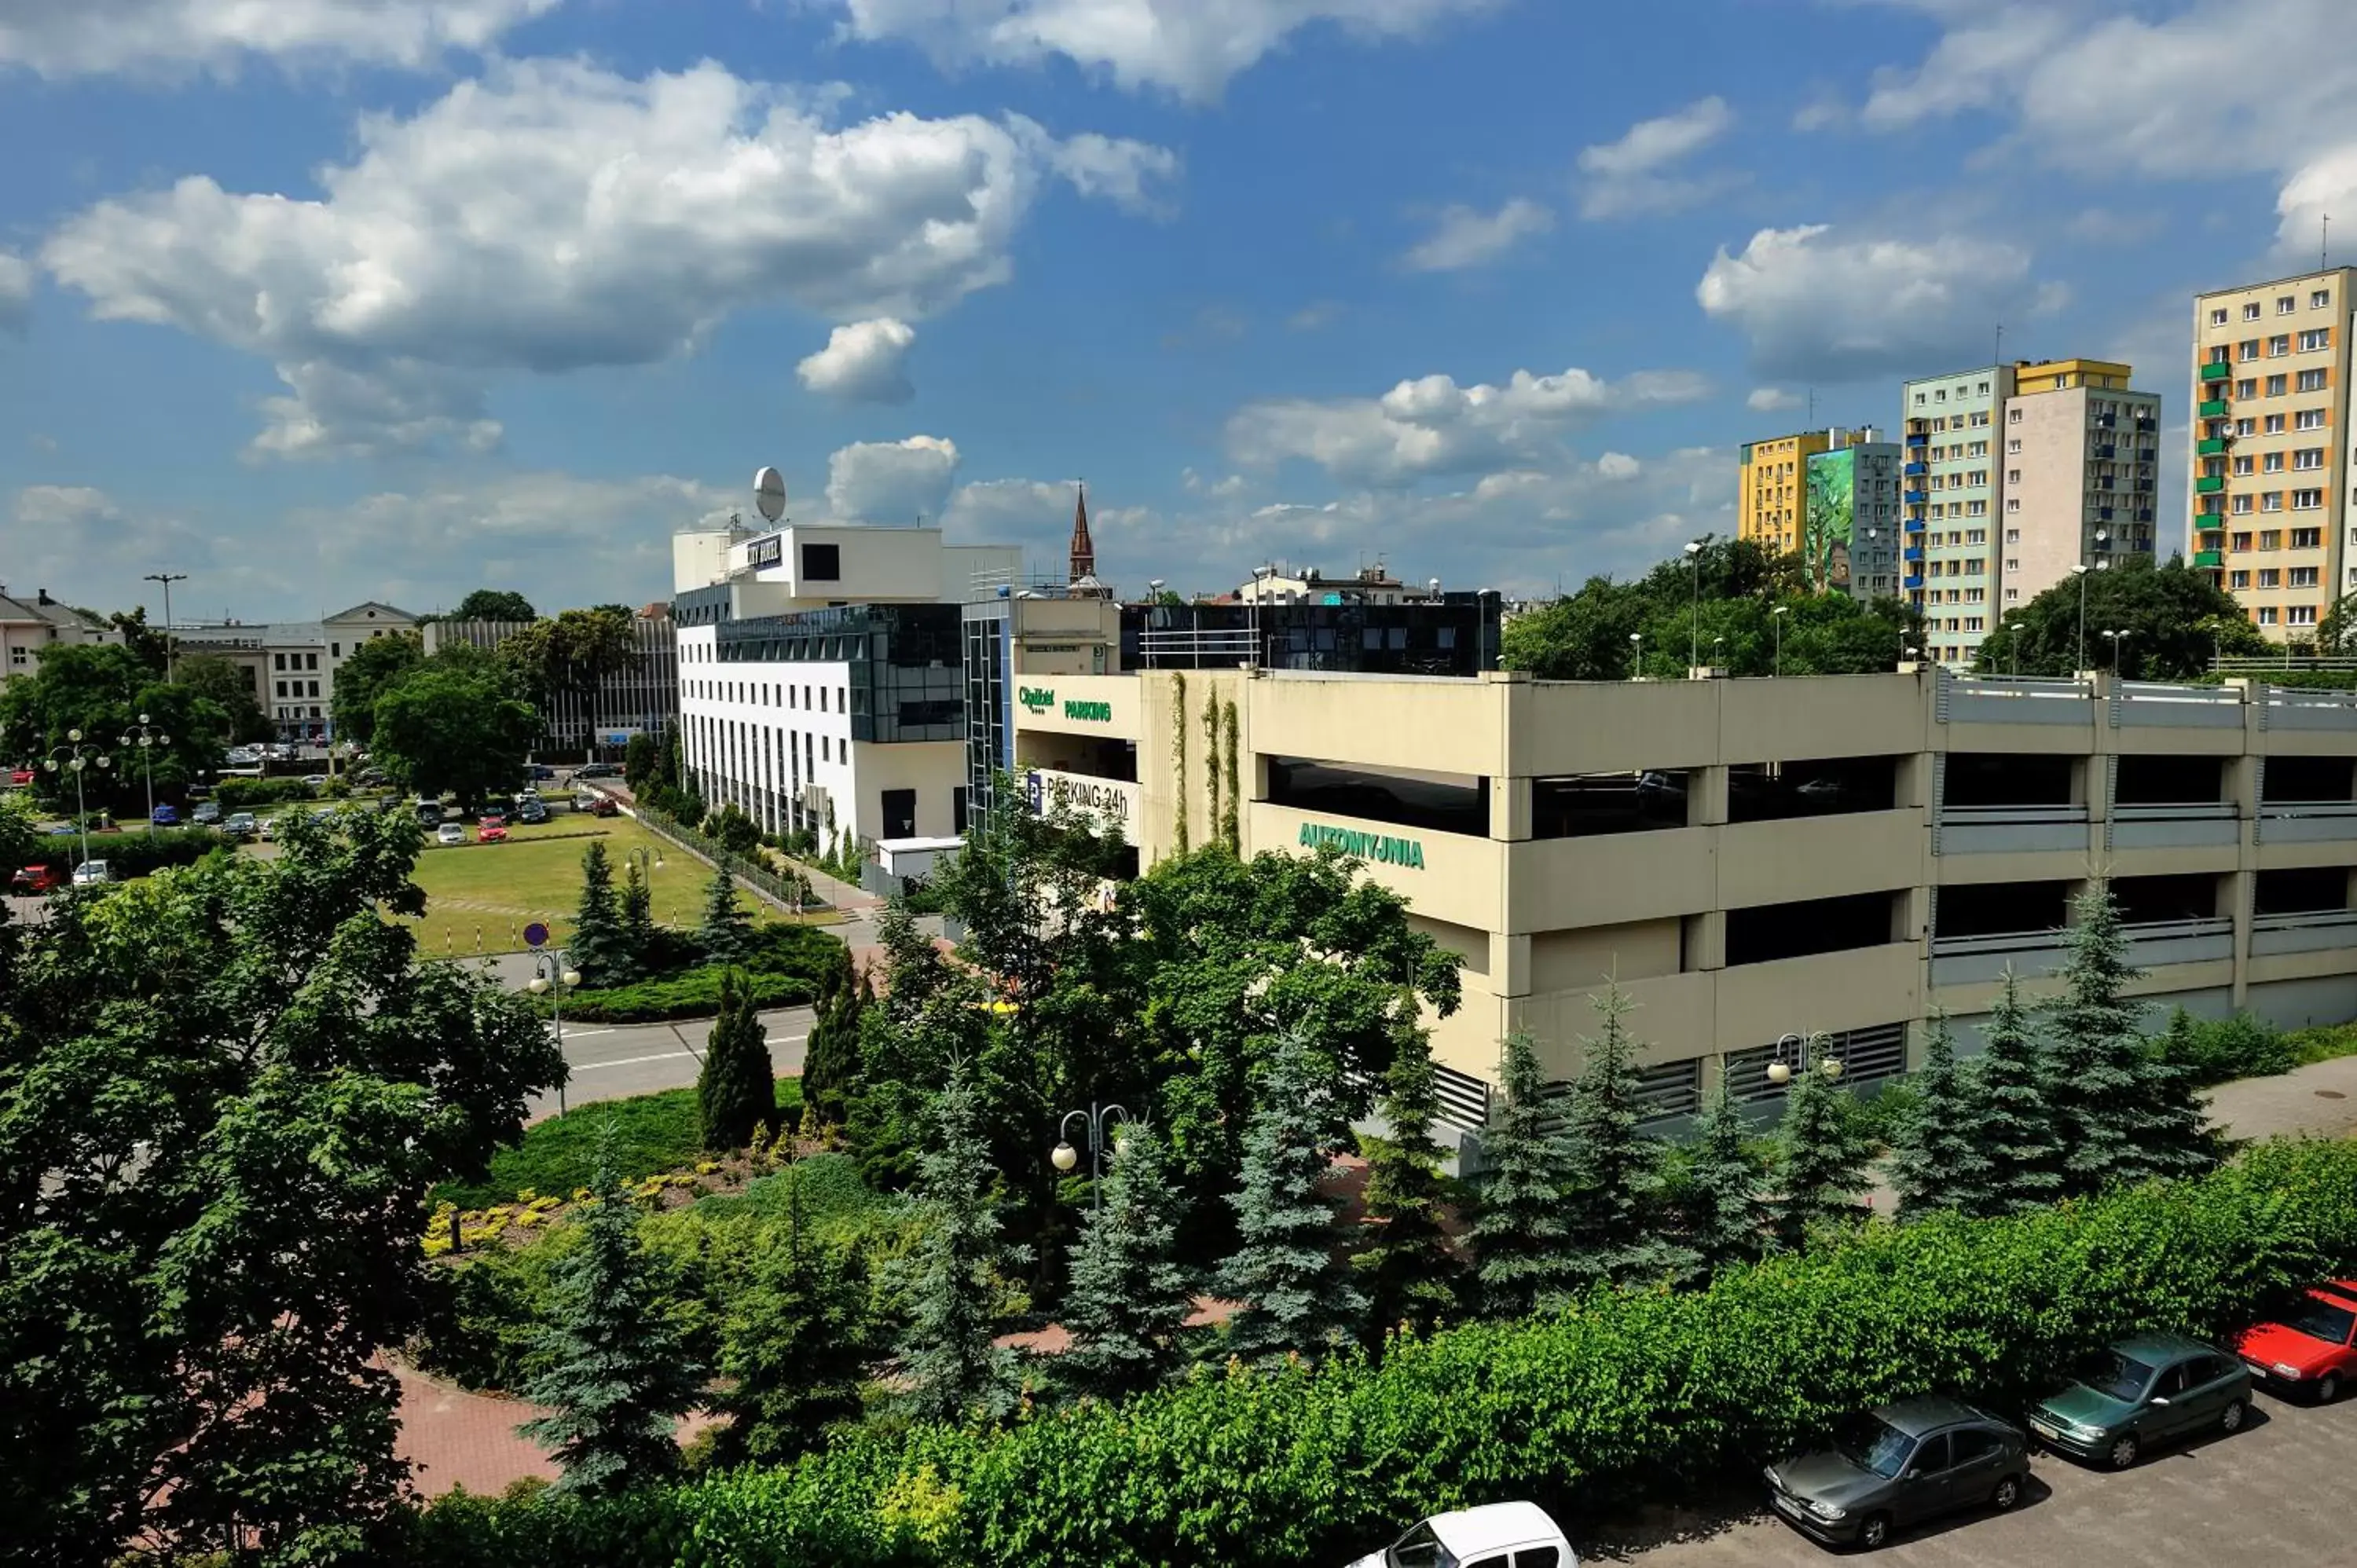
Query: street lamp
[[553, 975], [2079, 571], [2119, 641], [1097, 1123], [78, 755], [1777, 615], [1718, 653], [1802, 1047], [1694, 626], [147, 738], [170, 652], [1636, 660]]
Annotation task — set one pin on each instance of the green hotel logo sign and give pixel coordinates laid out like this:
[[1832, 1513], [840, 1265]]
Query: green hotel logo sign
[[1380, 848], [1038, 700]]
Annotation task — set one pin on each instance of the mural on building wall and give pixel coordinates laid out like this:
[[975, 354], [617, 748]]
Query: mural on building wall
[[1826, 536]]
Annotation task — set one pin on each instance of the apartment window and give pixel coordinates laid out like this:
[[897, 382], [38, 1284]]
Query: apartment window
[[1976, 508], [2277, 385], [2300, 615], [335, 650], [2271, 462], [2013, 475], [1918, 399], [278, 661], [2013, 563], [2320, 300], [2013, 416], [2242, 542], [2266, 614], [2308, 539], [2013, 595], [2307, 419], [2244, 465], [2270, 539], [2270, 577], [2013, 536], [2271, 502], [2303, 577], [1981, 390], [2238, 581], [2315, 338], [2218, 317], [2285, 305], [2013, 448], [282, 688], [2307, 501], [1980, 420], [2274, 425], [2248, 349], [2241, 505], [1941, 395], [2308, 457], [2251, 311], [2246, 427], [2278, 346]]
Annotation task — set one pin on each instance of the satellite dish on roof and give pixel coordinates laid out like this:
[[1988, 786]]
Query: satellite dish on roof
[[769, 493]]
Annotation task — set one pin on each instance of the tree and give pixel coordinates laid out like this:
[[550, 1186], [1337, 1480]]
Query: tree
[[954, 1369], [641, 760], [2016, 1129], [831, 1061], [1941, 1158], [636, 941], [727, 931], [227, 687], [1614, 1215], [598, 948], [568, 656], [737, 1091], [1129, 1296], [2177, 618], [2124, 1114], [494, 604], [447, 728], [1298, 1299], [101, 690], [737, 833], [1726, 1221], [223, 1094], [1522, 1232], [619, 1376], [150, 645], [794, 1347], [1821, 1157], [374, 666], [1412, 1277]]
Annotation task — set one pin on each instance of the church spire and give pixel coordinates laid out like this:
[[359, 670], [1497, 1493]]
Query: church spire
[[1085, 551]]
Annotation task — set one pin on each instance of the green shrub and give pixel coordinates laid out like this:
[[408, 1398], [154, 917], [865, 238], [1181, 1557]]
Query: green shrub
[[2321, 1043], [245, 794], [131, 854], [559, 1153], [1627, 1396], [2216, 1050], [692, 994]]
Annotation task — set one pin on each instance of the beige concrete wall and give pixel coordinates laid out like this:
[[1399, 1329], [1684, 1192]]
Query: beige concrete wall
[[1459, 724], [1120, 696], [2052, 491], [1576, 960]]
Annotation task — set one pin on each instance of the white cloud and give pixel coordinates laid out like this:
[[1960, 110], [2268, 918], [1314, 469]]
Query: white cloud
[[904, 482], [1128, 174], [1317, 314], [1433, 426], [1618, 466], [76, 540], [1466, 237], [1630, 175], [75, 38], [16, 291], [1822, 306], [1190, 47], [1771, 399], [552, 217], [862, 362]]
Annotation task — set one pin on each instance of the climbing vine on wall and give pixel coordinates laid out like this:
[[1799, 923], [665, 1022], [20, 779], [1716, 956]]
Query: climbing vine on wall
[[1211, 762], [1229, 828], [1178, 764]]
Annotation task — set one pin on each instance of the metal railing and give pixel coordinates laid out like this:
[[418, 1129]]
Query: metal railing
[[756, 876]]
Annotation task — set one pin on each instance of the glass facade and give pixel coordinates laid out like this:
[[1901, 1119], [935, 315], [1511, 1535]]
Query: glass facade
[[1457, 636], [906, 677]]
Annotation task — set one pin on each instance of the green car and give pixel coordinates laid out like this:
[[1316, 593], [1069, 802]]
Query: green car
[[2145, 1389]]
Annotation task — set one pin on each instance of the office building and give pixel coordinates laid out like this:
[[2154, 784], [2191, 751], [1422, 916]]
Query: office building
[[1771, 489], [292, 664], [598, 723], [28, 626], [2082, 451], [2271, 380], [1849, 536]]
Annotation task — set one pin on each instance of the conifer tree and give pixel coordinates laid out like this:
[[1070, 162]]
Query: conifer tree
[[636, 924], [726, 931], [831, 1060], [1410, 1274], [1297, 1298], [617, 1376], [2124, 1114], [737, 1091], [1521, 1236], [794, 1347], [954, 1370], [596, 946], [1725, 1218], [1940, 1158], [1129, 1296], [1613, 1208], [2014, 1128], [1821, 1158]]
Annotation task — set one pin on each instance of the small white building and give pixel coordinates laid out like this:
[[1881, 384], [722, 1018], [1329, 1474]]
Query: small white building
[[292, 664], [29, 625]]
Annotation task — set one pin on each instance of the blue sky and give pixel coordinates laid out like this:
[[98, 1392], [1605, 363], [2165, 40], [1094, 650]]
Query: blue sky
[[336, 299]]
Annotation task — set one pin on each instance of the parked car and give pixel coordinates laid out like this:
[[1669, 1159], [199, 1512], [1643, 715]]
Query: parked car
[[599, 770], [324, 813], [429, 814], [164, 817], [532, 810], [316, 780], [370, 779], [20, 777], [492, 829], [2143, 1391], [29, 880], [91, 874], [242, 824], [450, 832], [603, 806], [1481, 1536], [207, 814], [2310, 1350], [269, 829], [541, 770], [1887, 1468]]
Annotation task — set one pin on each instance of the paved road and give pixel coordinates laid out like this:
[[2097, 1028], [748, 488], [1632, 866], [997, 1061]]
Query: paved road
[[611, 1061], [2279, 1492]]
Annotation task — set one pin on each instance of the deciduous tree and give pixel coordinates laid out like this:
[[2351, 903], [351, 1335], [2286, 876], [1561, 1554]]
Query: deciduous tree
[[2179, 618], [372, 666], [453, 728], [494, 604]]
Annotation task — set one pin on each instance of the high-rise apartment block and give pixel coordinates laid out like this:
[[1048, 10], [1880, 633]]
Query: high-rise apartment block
[[2271, 380], [1772, 495], [1830, 495], [2014, 475]]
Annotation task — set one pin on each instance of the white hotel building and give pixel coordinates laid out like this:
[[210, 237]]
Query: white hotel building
[[820, 678]]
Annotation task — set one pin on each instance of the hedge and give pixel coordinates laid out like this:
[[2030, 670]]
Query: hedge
[[241, 794], [1625, 1397], [695, 995], [134, 854]]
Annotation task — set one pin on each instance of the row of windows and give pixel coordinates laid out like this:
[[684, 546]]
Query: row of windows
[[764, 694], [2303, 459], [2273, 577], [295, 688], [1975, 566], [2310, 341], [2272, 500], [1940, 394], [283, 661], [2293, 615], [2272, 539], [2317, 299], [2277, 385]]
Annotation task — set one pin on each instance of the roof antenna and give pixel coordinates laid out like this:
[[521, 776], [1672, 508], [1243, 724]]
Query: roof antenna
[[1813, 408], [2000, 345], [2324, 245]]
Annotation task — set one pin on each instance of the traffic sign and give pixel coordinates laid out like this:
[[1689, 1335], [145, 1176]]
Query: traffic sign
[[535, 934]]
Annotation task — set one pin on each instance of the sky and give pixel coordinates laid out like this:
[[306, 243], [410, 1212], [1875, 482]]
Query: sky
[[319, 301]]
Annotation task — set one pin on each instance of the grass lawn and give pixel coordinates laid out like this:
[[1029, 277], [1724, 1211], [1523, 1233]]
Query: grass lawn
[[654, 1132]]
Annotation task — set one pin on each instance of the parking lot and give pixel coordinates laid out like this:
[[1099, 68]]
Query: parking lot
[[2277, 1492]]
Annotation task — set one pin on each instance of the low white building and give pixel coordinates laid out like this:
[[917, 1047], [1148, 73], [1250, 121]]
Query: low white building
[[29, 624], [821, 682], [292, 664]]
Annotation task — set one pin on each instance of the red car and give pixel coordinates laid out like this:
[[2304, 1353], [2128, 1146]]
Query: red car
[[32, 879], [20, 775], [492, 829], [2313, 1349]]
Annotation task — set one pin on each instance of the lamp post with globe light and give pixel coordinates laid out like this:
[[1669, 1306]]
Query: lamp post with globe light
[[1800, 1048], [77, 754], [146, 738], [1097, 1123], [553, 975]]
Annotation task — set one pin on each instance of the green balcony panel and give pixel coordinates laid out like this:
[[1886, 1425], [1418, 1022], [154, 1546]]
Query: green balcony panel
[[2212, 447], [2209, 558], [2210, 484], [2215, 409], [2216, 372]]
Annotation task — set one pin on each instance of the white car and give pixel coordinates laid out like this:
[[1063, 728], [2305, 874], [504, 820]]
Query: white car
[[1498, 1535], [450, 832], [90, 874]]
